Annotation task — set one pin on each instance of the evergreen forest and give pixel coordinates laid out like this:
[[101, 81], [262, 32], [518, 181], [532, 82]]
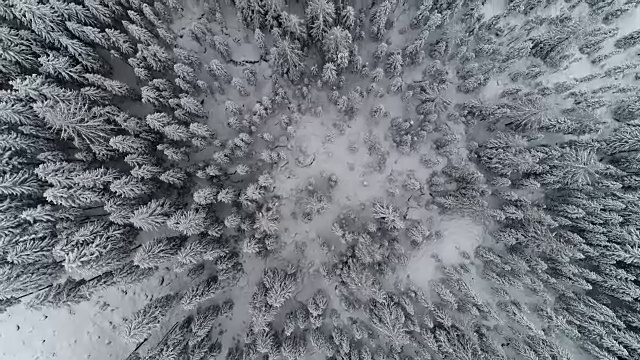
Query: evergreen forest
[[320, 179]]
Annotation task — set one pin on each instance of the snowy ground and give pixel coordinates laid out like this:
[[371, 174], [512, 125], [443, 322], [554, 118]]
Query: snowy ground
[[85, 331], [458, 235]]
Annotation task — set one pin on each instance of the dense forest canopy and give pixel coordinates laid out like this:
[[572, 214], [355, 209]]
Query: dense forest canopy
[[436, 179]]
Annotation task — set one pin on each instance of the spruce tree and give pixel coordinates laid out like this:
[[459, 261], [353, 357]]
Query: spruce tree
[[320, 17], [143, 322], [287, 58]]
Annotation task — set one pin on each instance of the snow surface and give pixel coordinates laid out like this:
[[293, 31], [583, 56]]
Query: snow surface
[[458, 235], [84, 331]]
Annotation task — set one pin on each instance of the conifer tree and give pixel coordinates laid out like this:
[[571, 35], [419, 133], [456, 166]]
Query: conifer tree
[[217, 70], [249, 75], [280, 286], [628, 40], [77, 122], [348, 17], [388, 215], [237, 83], [192, 105], [94, 248], [336, 45], [18, 280], [329, 73], [67, 293], [62, 67], [113, 86], [221, 46], [174, 153], [188, 222], [19, 184], [139, 326], [146, 171], [176, 177], [394, 64], [130, 187], [120, 41], [88, 34], [200, 292], [320, 17], [140, 34], [202, 131], [293, 26], [293, 348], [129, 144], [157, 251], [185, 72], [156, 56], [152, 215], [72, 197], [205, 196], [287, 58], [187, 57], [379, 20]]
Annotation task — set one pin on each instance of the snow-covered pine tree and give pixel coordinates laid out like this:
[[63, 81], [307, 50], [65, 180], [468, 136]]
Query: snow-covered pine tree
[[379, 20], [280, 286], [18, 280], [185, 72], [77, 122], [62, 67], [200, 292], [152, 215], [347, 18], [216, 69], [140, 34], [320, 16], [88, 34], [395, 63], [220, 45], [258, 37], [629, 40], [329, 73], [143, 322], [293, 26], [192, 106], [287, 58], [120, 41], [188, 222], [175, 176], [237, 83], [95, 248], [158, 251], [337, 44]]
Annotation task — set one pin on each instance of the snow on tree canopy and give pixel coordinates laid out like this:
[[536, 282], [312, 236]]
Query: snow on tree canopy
[[331, 179]]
